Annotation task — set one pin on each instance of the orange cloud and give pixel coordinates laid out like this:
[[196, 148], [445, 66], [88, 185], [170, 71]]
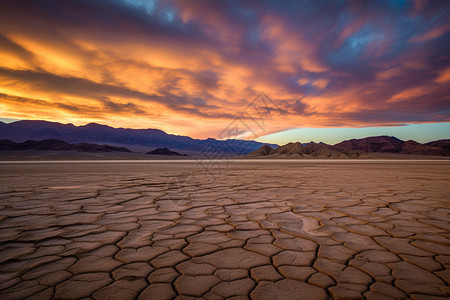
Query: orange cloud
[[410, 93], [292, 49], [431, 34], [444, 77]]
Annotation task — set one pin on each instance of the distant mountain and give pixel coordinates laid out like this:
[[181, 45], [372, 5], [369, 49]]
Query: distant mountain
[[444, 144], [58, 145], [264, 150], [390, 144], [309, 150], [373, 144], [21, 131], [413, 147], [355, 148], [165, 151]]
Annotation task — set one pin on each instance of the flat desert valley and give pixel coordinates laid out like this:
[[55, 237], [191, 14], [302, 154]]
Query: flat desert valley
[[225, 229]]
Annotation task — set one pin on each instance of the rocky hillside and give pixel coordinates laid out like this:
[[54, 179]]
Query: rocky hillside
[[355, 148], [373, 144], [390, 144], [309, 150], [165, 151]]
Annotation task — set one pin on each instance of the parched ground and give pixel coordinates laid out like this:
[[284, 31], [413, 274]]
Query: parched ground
[[296, 230]]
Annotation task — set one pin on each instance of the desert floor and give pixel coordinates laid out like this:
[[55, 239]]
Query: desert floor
[[225, 229]]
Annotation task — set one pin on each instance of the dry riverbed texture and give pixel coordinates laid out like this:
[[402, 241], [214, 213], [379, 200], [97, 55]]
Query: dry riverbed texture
[[257, 230]]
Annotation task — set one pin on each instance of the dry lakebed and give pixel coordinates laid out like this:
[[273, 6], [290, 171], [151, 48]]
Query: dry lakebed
[[225, 230]]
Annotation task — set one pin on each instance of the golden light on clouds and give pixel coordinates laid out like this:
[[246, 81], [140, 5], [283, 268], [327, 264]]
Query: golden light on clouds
[[190, 67]]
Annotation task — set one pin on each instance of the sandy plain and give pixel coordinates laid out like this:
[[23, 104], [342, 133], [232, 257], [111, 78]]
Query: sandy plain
[[225, 229]]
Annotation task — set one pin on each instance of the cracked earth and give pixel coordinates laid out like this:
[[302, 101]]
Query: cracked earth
[[257, 230]]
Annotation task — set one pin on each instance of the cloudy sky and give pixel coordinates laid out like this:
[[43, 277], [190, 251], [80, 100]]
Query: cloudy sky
[[192, 67]]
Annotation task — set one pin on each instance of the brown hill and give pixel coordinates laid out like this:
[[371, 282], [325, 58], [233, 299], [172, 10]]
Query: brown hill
[[390, 144], [443, 144], [309, 150], [413, 147], [58, 145], [165, 151], [264, 150], [373, 144], [440, 143]]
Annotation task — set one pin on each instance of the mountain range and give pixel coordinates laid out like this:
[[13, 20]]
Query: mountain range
[[93, 137], [355, 148], [141, 140], [58, 145], [308, 150], [166, 152]]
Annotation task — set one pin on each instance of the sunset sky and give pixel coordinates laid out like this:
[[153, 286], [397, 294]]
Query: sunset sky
[[193, 67]]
